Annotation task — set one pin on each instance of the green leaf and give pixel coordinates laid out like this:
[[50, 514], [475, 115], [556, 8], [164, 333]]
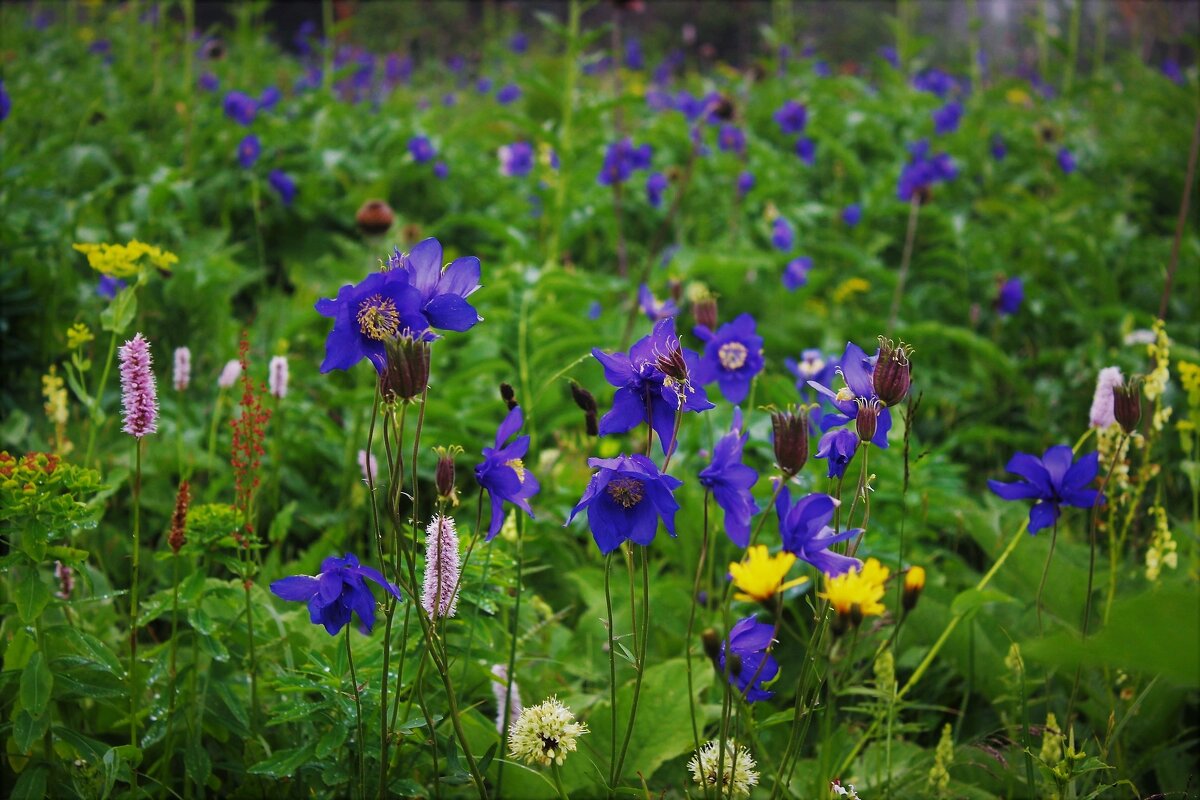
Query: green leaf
[[331, 740], [972, 600], [197, 762], [29, 594], [120, 311], [31, 785], [112, 768], [284, 763], [27, 729], [89, 648], [36, 685]]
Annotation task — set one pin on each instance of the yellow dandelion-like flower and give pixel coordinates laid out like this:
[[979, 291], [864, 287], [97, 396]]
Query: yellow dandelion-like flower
[[737, 768], [545, 733], [858, 592], [759, 576]]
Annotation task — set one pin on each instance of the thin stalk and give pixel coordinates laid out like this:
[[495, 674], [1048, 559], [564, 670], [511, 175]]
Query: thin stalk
[[910, 235], [1182, 220], [691, 627], [570, 80], [558, 783], [1101, 13], [640, 662], [612, 673], [134, 688], [97, 409], [512, 649], [1072, 46], [170, 750], [1045, 572], [212, 428], [362, 770]]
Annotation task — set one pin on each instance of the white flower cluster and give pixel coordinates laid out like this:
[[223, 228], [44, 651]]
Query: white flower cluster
[[738, 773], [545, 733]]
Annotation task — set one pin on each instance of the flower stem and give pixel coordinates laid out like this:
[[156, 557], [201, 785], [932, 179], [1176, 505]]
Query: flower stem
[[640, 661], [612, 673], [170, 750], [97, 410], [910, 236], [512, 647], [1182, 221], [1045, 572], [558, 784], [362, 777], [134, 688], [687, 648]]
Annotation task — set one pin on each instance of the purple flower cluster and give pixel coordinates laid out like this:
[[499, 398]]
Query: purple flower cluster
[[621, 159], [923, 170]]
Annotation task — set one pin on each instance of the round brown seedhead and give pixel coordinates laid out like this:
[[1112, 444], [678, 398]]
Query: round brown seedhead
[[893, 371], [1127, 404], [407, 372], [374, 218], [790, 428], [867, 418]]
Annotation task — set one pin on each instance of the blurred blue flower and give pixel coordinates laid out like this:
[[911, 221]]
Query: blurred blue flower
[[269, 98], [653, 309], [483, 85], [923, 170], [441, 170], [337, 591], [208, 82], [806, 532], [365, 315], [449, 99], [621, 159], [442, 293], [397, 69], [791, 117], [783, 236], [516, 159], [745, 182], [518, 42], [795, 274], [813, 366], [731, 139], [889, 54], [946, 118], [821, 68], [999, 149], [625, 499], [633, 54], [1172, 70], [751, 642], [1010, 296], [1066, 160], [502, 473], [240, 107], [248, 150], [1054, 480], [283, 185], [509, 93], [594, 310], [5, 102], [305, 35], [656, 184], [935, 81], [732, 357], [852, 215], [108, 287], [838, 446], [857, 369], [421, 149], [645, 390], [806, 149], [730, 482]]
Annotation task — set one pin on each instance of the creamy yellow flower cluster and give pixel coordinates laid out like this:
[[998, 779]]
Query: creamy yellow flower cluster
[[125, 260]]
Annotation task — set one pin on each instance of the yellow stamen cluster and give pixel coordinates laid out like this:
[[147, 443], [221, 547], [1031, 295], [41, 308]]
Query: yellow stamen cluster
[[125, 260], [858, 592], [1162, 550], [517, 466], [759, 576], [732, 355], [731, 767], [378, 318]]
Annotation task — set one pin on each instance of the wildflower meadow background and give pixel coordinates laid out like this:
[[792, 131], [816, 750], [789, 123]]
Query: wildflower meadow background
[[597, 399]]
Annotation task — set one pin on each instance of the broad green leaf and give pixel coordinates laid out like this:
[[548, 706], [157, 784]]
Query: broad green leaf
[[29, 594], [120, 311], [284, 763], [31, 785], [197, 762], [36, 685], [28, 728], [973, 599]]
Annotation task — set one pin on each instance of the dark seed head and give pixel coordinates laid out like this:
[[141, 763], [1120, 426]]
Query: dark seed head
[[407, 372], [704, 310], [867, 418], [443, 476], [1127, 404], [790, 427], [509, 397], [374, 218], [893, 371]]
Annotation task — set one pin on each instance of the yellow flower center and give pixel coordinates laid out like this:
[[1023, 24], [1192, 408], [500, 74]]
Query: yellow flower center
[[812, 367], [759, 577], [517, 466], [845, 395], [732, 355], [626, 491], [377, 318]]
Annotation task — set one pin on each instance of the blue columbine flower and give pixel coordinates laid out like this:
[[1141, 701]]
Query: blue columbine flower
[[806, 149], [792, 117], [745, 182], [516, 159], [923, 170], [518, 42], [646, 392], [806, 534], [732, 357], [857, 369], [839, 447], [367, 314], [443, 293], [108, 287], [730, 482], [946, 118], [1066, 160], [1010, 295], [852, 215], [248, 151], [509, 93], [751, 642], [336, 592], [502, 472], [282, 183], [795, 274], [421, 149], [440, 170], [269, 98], [653, 309], [999, 149], [812, 366], [625, 499], [656, 184], [1053, 480], [240, 107], [730, 139], [935, 81], [5, 102], [783, 236], [621, 159]]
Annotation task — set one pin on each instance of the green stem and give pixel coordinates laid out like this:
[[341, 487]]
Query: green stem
[[558, 784], [512, 649], [97, 409], [612, 673], [910, 235], [687, 648], [134, 689], [170, 750], [212, 428], [362, 772], [639, 664], [1045, 572]]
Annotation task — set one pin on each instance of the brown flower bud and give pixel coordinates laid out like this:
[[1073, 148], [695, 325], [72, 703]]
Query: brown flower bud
[[508, 396], [712, 644], [407, 373], [893, 371], [704, 310], [374, 218], [914, 583], [790, 427], [867, 418], [587, 404], [177, 538], [443, 475], [1127, 404]]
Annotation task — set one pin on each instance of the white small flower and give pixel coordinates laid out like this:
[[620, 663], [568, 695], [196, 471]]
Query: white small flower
[[230, 374], [500, 689], [846, 791], [1101, 415], [736, 767], [545, 733], [369, 466], [278, 377], [183, 368]]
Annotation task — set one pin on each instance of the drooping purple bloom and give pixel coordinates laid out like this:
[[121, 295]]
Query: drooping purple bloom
[[282, 183], [852, 215], [248, 151], [783, 236], [305, 35], [139, 397], [518, 42], [508, 93], [421, 149], [857, 370], [1010, 296], [502, 473], [621, 159], [1054, 480], [935, 81], [807, 535], [625, 499], [336, 592], [269, 98], [889, 54], [365, 315], [751, 642], [108, 287], [656, 184], [1172, 70], [442, 293], [791, 117], [732, 357], [240, 107], [516, 159], [731, 139], [999, 148], [441, 171], [923, 170], [838, 446], [730, 482], [645, 392], [806, 149], [795, 274], [745, 182], [1066, 160], [653, 309], [946, 118]]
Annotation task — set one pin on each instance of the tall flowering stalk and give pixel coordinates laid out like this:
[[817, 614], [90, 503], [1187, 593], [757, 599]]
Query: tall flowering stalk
[[175, 540], [439, 597], [139, 400]]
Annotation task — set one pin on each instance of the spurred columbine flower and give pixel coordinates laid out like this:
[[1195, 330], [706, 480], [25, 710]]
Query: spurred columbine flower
[[751, 665], [790, 429], [914, 584], [893, 371], [625, 500], [545, 733], [367, 315], [1054, 480], [503, 474], [278, 377], [857, 369], [442, 293], [1102, 412], [337, 591], [229, 374], [732, 357], [839, 447], [730, 482], [508, 697], [177, 538], [439, 596], [1127, 404], [138, 395], [805, 530], [182, 374], [734, 770]]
